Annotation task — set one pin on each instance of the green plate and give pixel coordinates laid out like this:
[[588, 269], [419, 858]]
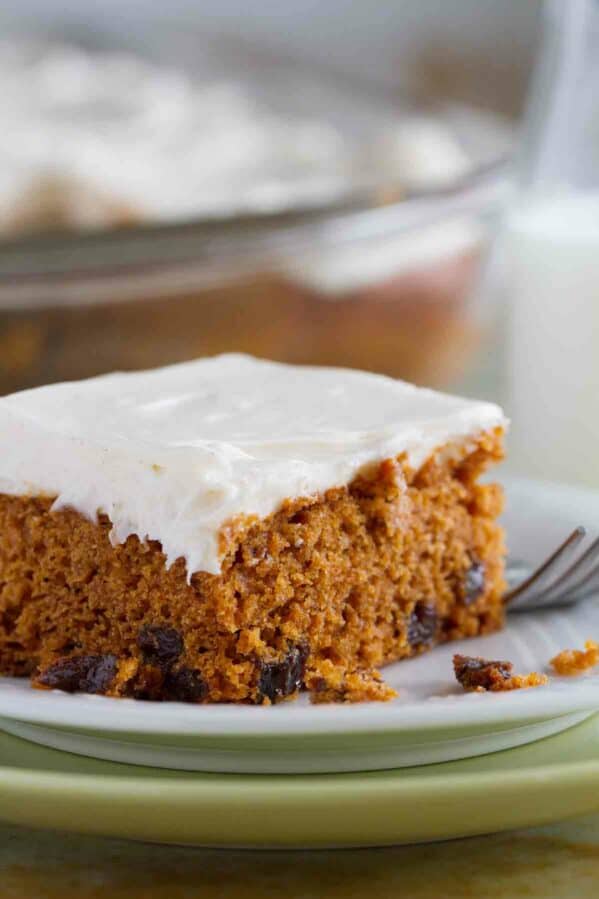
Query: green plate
[[551, 779]]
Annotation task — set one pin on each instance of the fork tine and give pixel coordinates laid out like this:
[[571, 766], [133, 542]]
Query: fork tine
[[546, 572], [587, 592], [583, 584], [584, 589], [575, 577]]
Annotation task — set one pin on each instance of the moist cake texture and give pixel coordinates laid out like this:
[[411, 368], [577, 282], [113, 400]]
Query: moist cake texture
[[231, 530]]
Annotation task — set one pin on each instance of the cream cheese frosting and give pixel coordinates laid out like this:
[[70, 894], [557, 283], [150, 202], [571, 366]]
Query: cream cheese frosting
[[173, 453]]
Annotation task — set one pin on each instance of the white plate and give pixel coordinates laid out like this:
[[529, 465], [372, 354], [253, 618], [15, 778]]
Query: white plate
[[431, 721]]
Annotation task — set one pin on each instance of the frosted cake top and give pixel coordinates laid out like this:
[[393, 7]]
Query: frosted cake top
[[173, 453]]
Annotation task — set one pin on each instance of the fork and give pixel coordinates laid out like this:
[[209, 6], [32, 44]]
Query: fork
[[565, 578]]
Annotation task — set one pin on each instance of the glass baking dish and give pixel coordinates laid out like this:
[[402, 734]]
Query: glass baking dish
[[379, 277]]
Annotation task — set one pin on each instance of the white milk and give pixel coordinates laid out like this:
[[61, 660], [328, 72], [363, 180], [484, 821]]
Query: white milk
[[553, 338]]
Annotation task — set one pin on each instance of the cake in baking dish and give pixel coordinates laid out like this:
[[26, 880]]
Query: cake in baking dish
[[235, 530]]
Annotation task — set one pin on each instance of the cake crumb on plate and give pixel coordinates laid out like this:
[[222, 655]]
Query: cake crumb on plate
[[574, 661], [482, 675]]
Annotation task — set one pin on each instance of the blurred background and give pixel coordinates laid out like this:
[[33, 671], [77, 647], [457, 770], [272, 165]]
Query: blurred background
[[315, 183]]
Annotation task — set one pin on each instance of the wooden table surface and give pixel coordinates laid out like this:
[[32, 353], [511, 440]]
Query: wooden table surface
[[558, 862]]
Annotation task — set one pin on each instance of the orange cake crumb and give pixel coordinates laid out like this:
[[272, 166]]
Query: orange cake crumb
[[483, 675], [575, 661], [523, 681], [350, 686]]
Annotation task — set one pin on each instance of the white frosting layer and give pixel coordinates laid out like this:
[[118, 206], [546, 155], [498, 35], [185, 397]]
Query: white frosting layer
[[172, 454]]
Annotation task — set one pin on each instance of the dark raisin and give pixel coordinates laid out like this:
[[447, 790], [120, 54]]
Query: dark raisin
[[80, 674], [278, 679], [184, 685], [474, 583], [422, 624], [299, 517], [472, 672], [160, 646]]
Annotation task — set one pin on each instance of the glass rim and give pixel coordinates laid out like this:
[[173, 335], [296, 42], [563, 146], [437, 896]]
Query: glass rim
[[224, 248]]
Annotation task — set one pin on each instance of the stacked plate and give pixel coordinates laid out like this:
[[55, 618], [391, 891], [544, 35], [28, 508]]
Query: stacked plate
[[426, 766]]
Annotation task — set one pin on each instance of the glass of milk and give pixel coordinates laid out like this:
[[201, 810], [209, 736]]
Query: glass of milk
[[551, 247]]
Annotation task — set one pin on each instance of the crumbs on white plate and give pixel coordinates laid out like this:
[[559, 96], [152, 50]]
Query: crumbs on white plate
[[571, 662]]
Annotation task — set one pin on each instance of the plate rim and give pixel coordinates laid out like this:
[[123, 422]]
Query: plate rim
[[454, 712], [366, 782], [307, 811]]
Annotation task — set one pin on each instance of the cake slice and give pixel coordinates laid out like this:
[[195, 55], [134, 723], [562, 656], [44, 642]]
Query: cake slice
[[236, 530]]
